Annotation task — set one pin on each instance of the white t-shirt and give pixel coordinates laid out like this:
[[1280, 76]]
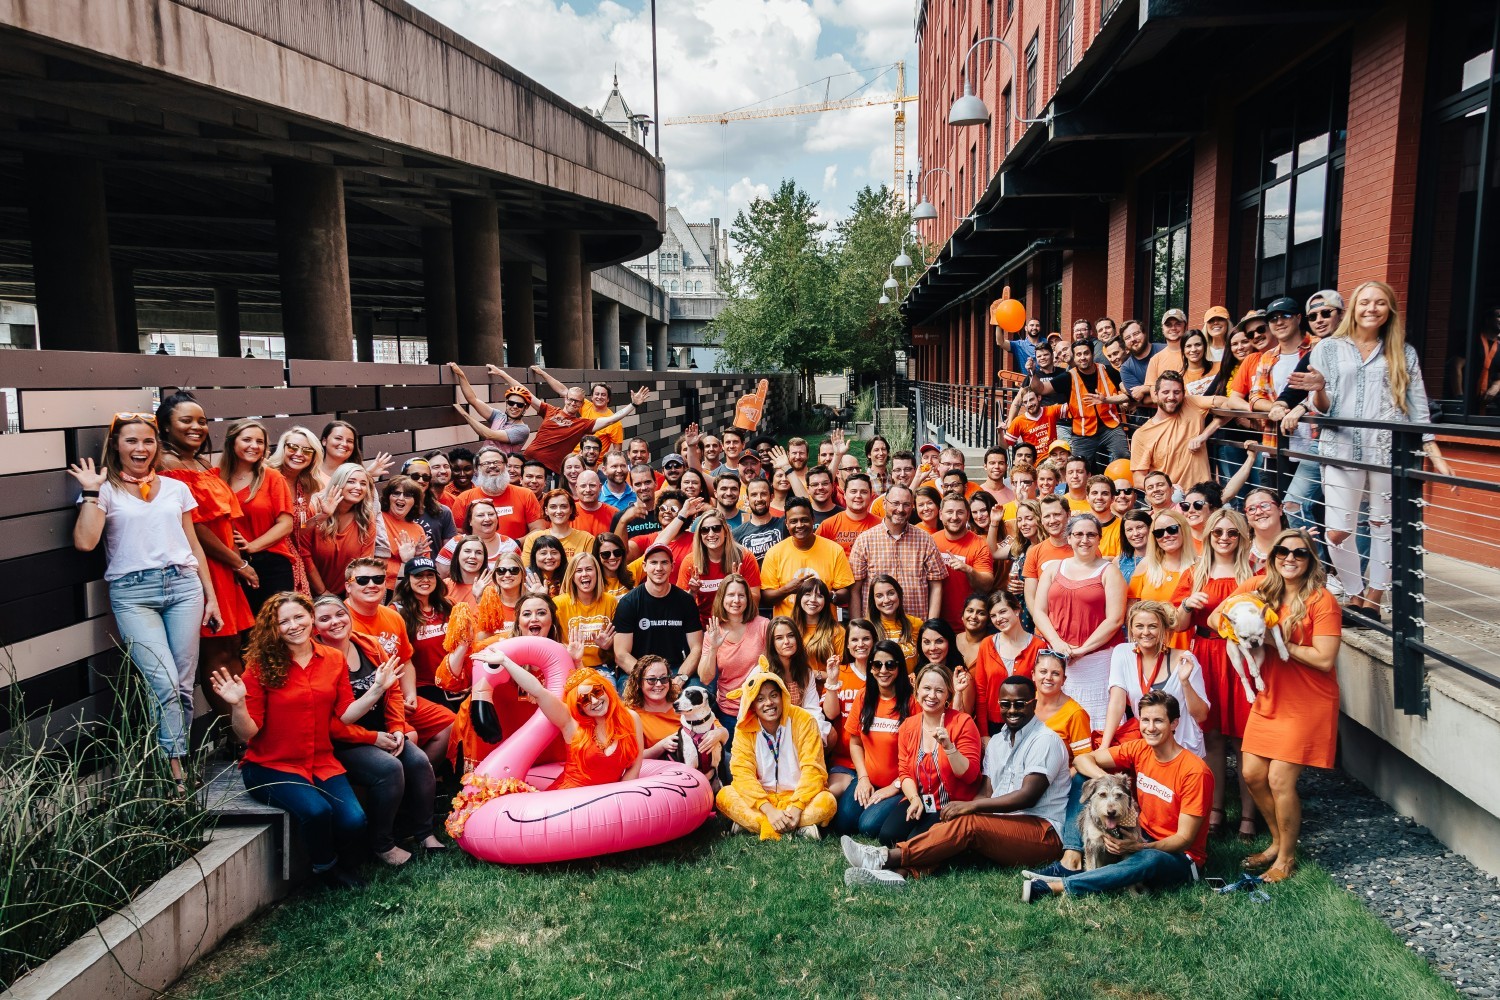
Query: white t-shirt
[[1036, 750], [141, 535], [1123, 675], [1301, 441]]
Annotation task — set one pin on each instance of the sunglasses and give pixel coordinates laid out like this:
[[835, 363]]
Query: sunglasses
[[508, 571], [1084, 534], [1193, 504], [1282, 552], [369, 581], [711, 529], [1014, 702], [591, 696], [133, 418], [883, 664], [656, 681], [1131, 493], [420, 477], [610, 553], [1168, 531], [1280, 317], [1258, 331], [300, 449], [1225, 533], [515, 402], [1324, 314]]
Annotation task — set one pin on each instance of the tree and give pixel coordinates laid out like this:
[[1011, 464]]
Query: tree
[[865, 244]]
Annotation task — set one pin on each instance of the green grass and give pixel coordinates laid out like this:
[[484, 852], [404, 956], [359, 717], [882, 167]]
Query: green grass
[[732, 917]]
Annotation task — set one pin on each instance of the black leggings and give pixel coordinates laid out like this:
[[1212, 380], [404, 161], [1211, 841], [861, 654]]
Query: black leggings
[[275, 574]]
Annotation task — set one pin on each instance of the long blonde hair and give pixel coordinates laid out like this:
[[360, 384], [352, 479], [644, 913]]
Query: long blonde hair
[[1151, 563], [1273, 589], [365, 512], [1392, 339], [1205, 564], [733, 555], [307, 480], [258, 469]]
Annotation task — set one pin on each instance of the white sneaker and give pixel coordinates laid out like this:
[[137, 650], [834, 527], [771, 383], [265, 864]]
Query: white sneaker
[[880, 876], [862, 855], [809, 832]]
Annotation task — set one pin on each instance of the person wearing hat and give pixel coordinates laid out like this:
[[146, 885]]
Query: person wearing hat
[[1269, 380], [658, 618], [673, 466], [1216, 324], [1169, 358], [1254, 323], [508, 431]]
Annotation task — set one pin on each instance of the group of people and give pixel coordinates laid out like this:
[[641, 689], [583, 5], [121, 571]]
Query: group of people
[[939, 664]]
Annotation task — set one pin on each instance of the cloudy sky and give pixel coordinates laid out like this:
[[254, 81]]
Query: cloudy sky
[[717, 55]]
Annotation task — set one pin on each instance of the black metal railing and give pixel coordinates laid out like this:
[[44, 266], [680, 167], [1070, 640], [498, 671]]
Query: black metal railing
[[974, 415]]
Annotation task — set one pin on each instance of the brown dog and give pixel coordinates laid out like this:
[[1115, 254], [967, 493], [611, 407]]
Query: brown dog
[[1108, 811]]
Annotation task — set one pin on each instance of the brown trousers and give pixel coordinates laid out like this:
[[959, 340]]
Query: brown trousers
[[1012, 841]]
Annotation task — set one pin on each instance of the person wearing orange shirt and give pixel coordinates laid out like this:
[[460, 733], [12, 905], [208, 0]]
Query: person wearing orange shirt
[[847, 525], [1035, 424], [1010, 652], [1101, 494], [1173, 788], [1054, 546], [517, 507], [870, 727], [971, 567], [590, 514], [938, 751]]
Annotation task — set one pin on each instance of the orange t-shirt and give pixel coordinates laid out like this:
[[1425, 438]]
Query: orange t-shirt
[[956, 589], [880, 749], [595, 522], [845, 528], [655, 726], [517, 508], [1038, 432], [1041, 554], [851, 686], [1072, 723], [1239, 384], [387, 628], [1165, 792], [330, 555], [273, 499], [710, 580]]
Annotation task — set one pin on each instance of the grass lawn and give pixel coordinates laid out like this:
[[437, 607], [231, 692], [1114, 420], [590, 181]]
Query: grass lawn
[[731, 917]]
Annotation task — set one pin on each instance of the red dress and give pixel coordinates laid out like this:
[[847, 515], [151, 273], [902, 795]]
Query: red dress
[[218, 510], [1228, 711]]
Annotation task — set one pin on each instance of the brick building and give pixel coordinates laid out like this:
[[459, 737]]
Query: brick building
[[1199, 152]]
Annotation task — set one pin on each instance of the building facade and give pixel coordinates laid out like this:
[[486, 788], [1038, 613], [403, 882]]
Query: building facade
[[1143, 156]]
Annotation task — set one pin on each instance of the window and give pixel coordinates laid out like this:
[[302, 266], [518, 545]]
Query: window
[[1031, 80], [973, 175], [1010, 10], [1007, 102], [1064, 38], [988, 145], [1050, 273], [1163, 214], [1290, 186], [989, 29]]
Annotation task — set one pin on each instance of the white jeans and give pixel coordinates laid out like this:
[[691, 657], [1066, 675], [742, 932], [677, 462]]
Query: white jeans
[[1343, 492]]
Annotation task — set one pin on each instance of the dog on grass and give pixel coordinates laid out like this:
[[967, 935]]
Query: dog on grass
[[701, 739], [1246, 623], [1108, 812]]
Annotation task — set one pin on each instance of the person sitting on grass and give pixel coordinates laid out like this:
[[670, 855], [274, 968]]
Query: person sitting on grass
[[1174, 790], [1016, 818], [780, 783]]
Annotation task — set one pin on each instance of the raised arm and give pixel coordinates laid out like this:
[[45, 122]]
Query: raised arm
[[485, 410], [552, 383]]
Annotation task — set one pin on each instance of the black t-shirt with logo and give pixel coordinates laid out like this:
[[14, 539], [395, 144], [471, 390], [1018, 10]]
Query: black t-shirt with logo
[[759, 538], [645, 526], [658, 625]]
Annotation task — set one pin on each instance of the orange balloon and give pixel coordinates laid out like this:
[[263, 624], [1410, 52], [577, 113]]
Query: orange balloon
[[1008, 314], [1118, 469]]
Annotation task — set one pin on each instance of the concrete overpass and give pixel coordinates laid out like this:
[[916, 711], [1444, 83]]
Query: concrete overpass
[[318, 161]]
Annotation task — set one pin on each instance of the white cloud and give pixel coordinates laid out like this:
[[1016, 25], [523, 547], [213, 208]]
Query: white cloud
[[716, 55]]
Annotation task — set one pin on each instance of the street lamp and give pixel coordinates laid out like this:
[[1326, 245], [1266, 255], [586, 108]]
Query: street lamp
[[925, 210], [890, 282], [969, 109], [884, 299], [903, 259]]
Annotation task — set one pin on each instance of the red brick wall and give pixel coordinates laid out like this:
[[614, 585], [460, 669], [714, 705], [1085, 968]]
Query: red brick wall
[[1208, 235], [1084, 281], [1380, 165], [1120, 277]]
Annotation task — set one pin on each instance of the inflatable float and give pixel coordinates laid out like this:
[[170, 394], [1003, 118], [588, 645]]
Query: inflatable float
[[506, 814]]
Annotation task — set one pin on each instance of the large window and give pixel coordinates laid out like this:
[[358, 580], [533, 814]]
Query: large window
[[1007, 103], [1064, 37], [1163, 215], [1289, 157], [1455, 285], [1032, 84]]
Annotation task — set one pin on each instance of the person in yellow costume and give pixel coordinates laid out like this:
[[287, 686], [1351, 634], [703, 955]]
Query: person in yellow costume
[[780, 782]]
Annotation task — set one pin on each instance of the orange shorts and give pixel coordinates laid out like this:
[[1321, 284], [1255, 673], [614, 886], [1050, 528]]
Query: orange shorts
[[428, 719]]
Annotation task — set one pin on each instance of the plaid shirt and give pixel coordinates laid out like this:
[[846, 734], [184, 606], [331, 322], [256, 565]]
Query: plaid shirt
[[912, 559]]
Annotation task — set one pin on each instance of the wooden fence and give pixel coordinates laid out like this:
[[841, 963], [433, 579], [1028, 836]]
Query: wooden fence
[[55, 626]]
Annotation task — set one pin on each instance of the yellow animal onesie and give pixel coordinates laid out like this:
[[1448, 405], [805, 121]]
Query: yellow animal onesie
[[784, 769]]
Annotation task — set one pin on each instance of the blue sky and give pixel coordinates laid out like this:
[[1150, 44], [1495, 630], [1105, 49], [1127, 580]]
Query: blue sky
[[716, 55]]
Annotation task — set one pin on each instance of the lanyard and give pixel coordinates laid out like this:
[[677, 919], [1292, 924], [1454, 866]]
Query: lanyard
[[1140, 668], [930, 775], [774, 745]]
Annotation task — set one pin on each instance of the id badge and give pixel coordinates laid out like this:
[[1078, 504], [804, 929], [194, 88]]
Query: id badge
[[929, 803]]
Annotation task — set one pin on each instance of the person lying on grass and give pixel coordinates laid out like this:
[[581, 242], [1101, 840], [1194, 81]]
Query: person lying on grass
[[780, 782], [1174, 790]]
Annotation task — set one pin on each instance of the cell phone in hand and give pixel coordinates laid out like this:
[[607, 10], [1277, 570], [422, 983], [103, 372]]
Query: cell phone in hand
[[214, 624]]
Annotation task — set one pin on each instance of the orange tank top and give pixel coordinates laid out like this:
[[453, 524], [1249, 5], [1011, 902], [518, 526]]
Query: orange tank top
[[591, 764]]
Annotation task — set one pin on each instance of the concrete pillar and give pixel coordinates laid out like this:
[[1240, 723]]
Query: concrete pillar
[[316, 315], [609, 336], [439, 311], [568, 343], [75, 304], [586, 289], [364, 336], [476, 281], [520, 313], [227, 320], [637, 343], [659, 346], [127, 326]]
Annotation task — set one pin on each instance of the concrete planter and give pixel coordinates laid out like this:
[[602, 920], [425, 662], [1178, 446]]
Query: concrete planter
[[143, 948], [864, 429]]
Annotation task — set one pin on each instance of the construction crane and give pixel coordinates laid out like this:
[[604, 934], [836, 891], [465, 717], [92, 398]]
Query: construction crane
[[898, 100]]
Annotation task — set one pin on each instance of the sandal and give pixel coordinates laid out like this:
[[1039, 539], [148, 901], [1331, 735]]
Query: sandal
[[1263, 859], [1279, 872], [1215, 822]]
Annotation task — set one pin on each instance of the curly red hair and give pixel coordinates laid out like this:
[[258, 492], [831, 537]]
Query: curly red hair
[[619, 724]]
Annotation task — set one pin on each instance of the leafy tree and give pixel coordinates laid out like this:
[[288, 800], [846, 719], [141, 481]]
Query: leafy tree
[[864, 245]]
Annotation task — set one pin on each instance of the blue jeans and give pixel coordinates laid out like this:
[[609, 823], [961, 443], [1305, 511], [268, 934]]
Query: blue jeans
[[1152, 868], [327, 813], [857, 820], [159, 613], [395, 786], [1303, 500], [1072, 833]]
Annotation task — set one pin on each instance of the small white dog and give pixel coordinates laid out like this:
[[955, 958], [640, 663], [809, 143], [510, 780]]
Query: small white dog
[[1247, 622]]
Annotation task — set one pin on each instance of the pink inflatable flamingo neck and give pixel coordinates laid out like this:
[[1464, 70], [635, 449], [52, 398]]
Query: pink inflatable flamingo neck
[[519, 750]]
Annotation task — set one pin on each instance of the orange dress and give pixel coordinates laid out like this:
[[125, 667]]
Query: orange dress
[[1228, 711], [1175, 588], [1296, 718], [217, 510], [590, 764]]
